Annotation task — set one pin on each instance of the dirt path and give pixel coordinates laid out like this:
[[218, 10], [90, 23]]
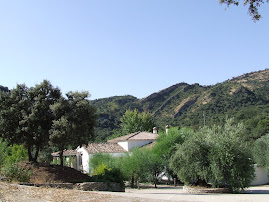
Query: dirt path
[[9, 192], [13, 192]]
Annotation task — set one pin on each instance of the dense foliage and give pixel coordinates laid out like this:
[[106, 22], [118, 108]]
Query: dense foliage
[[141, 165], [110, 110], [217, 155], [10, 156], [74, 122], [39, 115], [25, 116], [261, 152], [166, 146], [134, 121]]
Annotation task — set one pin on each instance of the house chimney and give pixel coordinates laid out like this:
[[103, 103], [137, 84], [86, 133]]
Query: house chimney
[[155, 130], [167, 129]]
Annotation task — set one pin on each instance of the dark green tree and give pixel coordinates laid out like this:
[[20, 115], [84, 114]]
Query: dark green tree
[[215, 154], [74, 122], [142, 165], [134, 121], [166, 146], [26, 117], [253, 6]]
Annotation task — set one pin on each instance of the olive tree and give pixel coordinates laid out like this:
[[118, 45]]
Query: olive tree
[[215, 155], [166, 146], [261, 151]]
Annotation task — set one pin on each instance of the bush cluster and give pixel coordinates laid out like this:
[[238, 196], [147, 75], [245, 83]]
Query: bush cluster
[[104, 174], [10, 156]]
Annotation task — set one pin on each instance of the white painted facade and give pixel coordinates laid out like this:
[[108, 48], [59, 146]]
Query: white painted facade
[[83, 160], [261, 176], [117, 147], [83, 164], [129, 145]]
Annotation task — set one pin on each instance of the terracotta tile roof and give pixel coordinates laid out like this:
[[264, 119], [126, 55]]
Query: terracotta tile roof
[[135, 136], [66, 153], [93, 148]]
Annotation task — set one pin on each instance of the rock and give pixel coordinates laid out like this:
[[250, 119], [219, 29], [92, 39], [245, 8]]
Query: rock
[[99, 186]]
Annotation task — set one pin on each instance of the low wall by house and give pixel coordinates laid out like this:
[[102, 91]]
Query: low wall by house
[[100, 186], [85, 186]]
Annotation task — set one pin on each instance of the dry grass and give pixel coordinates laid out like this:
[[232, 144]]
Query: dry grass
[[13, 192]]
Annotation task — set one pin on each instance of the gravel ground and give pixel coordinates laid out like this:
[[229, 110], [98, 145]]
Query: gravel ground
[[13, 192]]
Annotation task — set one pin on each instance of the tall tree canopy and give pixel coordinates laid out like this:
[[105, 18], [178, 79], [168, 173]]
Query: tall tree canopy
[[253, 6], [74, 122], [39, 115], [25, 116]]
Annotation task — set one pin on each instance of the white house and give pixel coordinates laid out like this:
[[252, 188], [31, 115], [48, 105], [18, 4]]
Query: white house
[[85, 153], [80, 158]]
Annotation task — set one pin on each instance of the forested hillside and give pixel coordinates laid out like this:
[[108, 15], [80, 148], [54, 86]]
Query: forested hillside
[[3, 89], [245, 97]]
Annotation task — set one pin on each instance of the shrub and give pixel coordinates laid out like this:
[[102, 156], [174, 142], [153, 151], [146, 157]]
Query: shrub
[[103, 174], [3, 152], [261, 151], [15, 173], [99, 159], [216, 155]]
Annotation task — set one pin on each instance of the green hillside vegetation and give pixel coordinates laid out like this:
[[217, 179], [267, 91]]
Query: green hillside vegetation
[[244, 97], [110, 111], [3, 89]]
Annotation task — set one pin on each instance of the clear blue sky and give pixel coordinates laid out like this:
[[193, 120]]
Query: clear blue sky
[[120, 47]]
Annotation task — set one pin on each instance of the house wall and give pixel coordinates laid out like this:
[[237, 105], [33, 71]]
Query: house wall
[[261, 176], [129, 145], [124, 145], [133, 144], [71, 161], [84, 165]]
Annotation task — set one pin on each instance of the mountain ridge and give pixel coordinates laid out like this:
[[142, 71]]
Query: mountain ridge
[[185, 104], [245, 97]]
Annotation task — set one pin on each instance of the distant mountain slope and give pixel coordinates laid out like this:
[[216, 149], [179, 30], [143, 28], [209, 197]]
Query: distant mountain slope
[[110, 111], [245, 97], [3, 89], [188, 105]]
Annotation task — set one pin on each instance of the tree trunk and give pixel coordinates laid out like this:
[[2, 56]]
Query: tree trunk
[[30, 157], [155, 179], [36, 155], [132, 181], [61, 157]]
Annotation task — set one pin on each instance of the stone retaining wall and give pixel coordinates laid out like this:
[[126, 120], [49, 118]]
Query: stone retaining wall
[[86, 186]]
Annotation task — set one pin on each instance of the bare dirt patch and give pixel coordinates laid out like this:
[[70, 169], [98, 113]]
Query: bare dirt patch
[[14, 192], [44, 173]]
